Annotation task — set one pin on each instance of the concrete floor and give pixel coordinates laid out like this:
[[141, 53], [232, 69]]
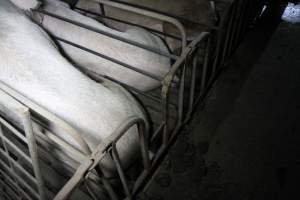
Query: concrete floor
[[245, 142]]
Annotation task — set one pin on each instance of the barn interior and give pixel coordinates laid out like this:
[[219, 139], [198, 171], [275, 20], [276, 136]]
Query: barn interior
[[222, 122]]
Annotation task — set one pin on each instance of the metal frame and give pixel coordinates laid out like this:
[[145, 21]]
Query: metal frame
[[175, 106]]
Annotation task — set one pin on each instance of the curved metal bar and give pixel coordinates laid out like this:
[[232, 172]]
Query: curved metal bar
[[168, 81], [49, 116], [99, 153]]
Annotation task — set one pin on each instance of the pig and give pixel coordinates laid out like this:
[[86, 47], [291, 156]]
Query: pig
[[200, 11], [32, 65], [26, 4], [137, 57]]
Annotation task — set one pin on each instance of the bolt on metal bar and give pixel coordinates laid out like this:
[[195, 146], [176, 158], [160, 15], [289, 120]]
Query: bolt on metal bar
[[131, 42], [129, 23], [110, 59]]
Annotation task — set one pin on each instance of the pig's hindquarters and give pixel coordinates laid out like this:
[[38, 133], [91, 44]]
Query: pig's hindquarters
[[31, 65]]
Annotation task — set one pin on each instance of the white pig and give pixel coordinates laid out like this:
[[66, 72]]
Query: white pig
[[26, 4], [32, 65], [200, 11], [137, 57]]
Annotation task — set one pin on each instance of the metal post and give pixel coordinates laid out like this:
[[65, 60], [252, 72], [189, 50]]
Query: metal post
[[32, 145]]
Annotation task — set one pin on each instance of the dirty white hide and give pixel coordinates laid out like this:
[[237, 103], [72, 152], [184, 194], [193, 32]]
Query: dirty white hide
[[200, 11], [139, 58], [31, 64], [26, 4]]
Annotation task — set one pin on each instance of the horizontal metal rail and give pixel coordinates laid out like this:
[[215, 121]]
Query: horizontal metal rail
[[20, 180], [49, 116], [90, 28], [116, 61], [151, 14], [19, 189], [129, 23], [17, 165]]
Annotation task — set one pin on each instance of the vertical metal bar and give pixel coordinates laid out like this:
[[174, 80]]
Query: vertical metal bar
[[144, 143], [181, 93], [234, 29], [120, 170], [205, 67], [106, 184], [221, 35], [241, 22], [235, 40], [193, 81], [32, 145], [228, 33]]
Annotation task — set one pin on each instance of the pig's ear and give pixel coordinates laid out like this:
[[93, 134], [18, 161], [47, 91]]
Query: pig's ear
[[27, 4]]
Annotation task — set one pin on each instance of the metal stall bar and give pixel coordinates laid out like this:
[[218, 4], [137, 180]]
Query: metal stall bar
[[13, 163], [128, 23], [32, 160], [131, 42], [242, 21], [221, 35], [12, 191], [32, 145], [235, 27], [14, 183], [167, 84], [102, 149], [203, 83], [84, 148], [229, 30], [110, 59], [152, 14], [15, 190], [20, 181]]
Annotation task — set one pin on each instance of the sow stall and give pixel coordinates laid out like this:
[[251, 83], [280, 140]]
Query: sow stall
[[29, 168]]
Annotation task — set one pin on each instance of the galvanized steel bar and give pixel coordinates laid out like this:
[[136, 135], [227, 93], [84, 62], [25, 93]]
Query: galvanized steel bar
[[153, 76], [49, 116], [90, 28], [152, 14], [13, 130], [17, 165], [120, 170], [20, 181], [15, 148], [32, 145], [129, 23]]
